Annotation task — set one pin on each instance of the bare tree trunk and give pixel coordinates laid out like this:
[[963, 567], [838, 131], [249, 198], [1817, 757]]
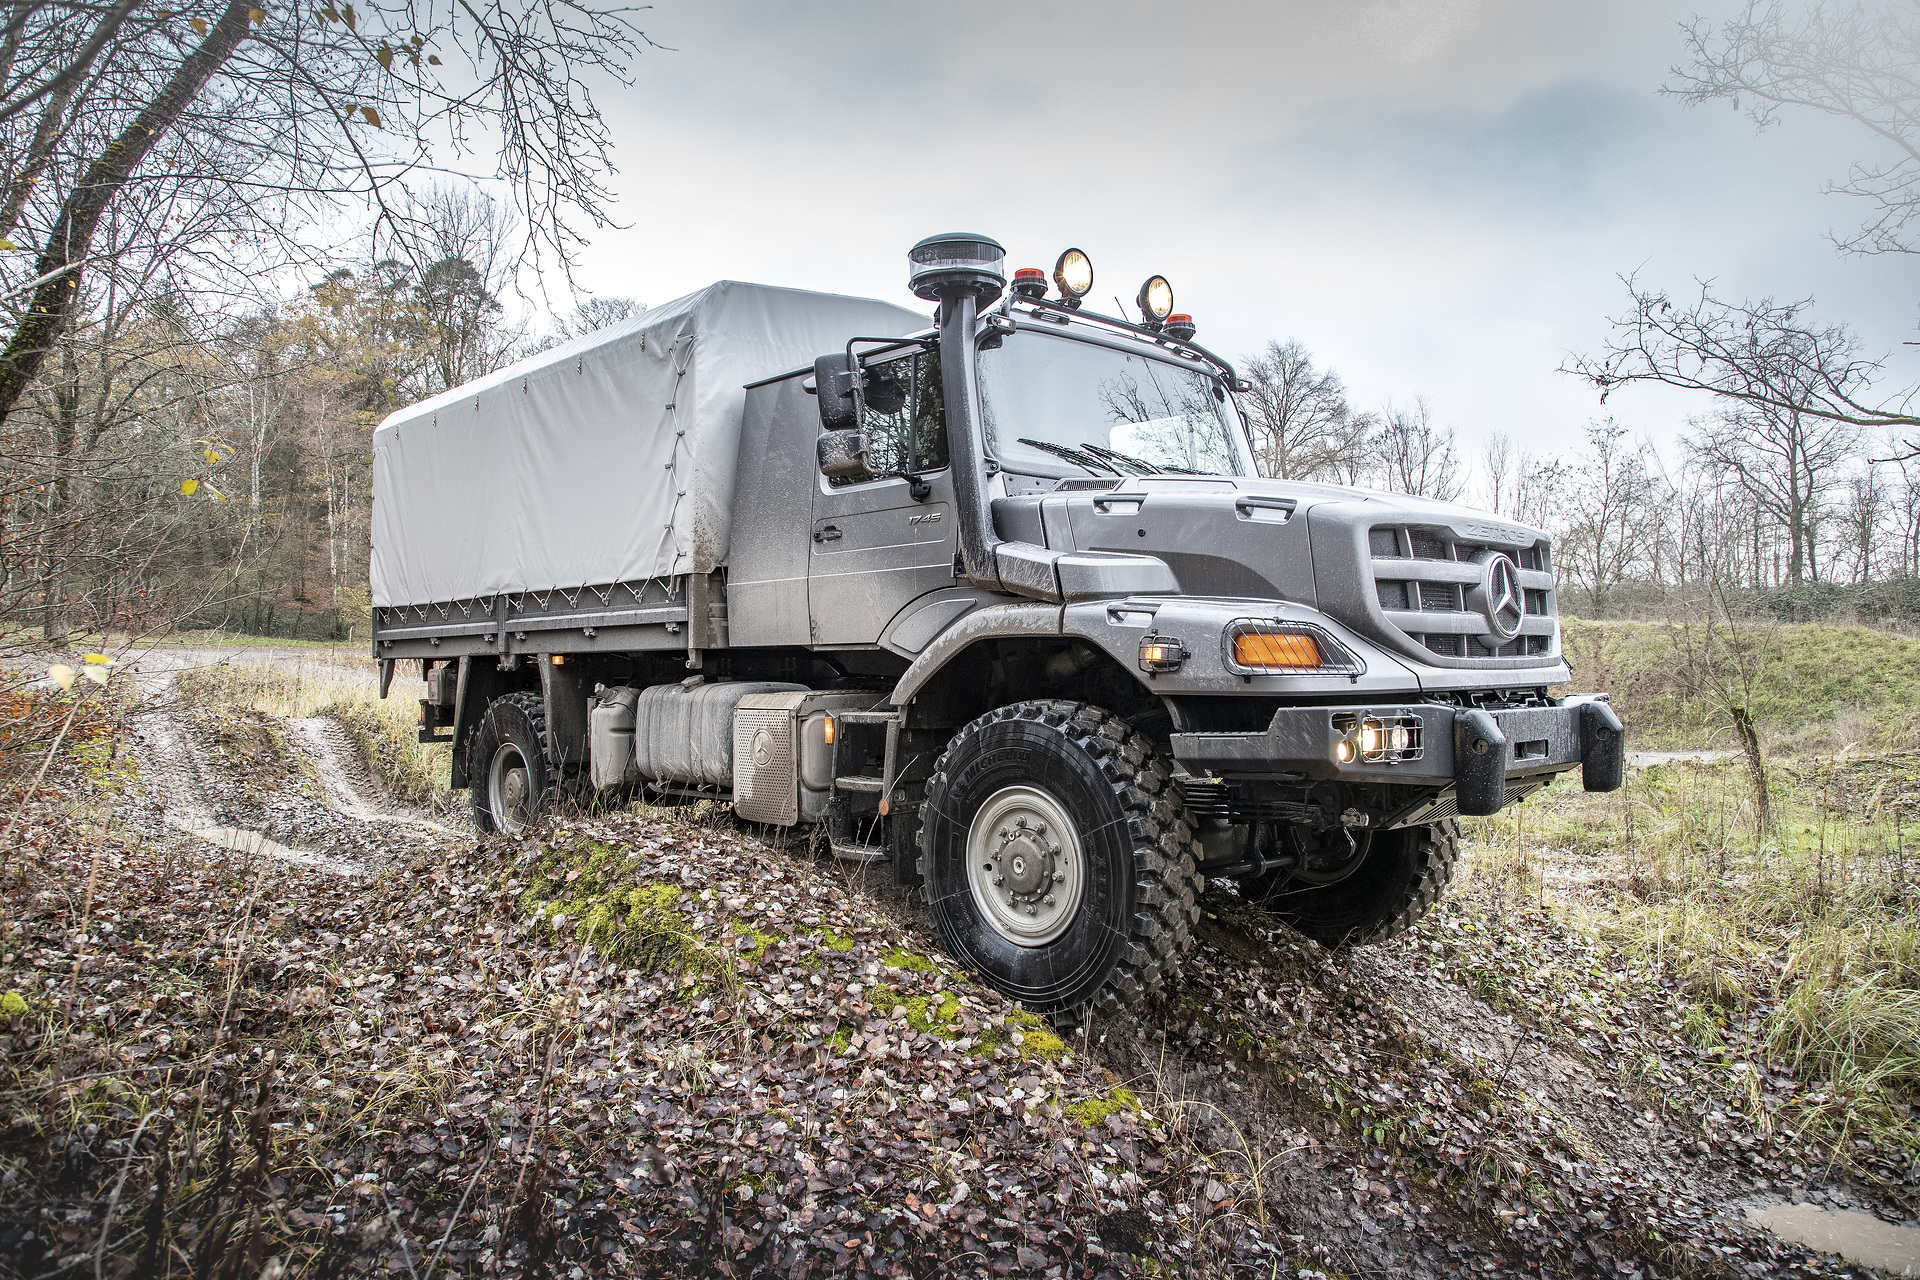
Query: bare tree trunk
[[1756, 768], [71, 241], [63, 423], [47, 132]]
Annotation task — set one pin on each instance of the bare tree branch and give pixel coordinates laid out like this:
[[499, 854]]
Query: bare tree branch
[[1856, 62]]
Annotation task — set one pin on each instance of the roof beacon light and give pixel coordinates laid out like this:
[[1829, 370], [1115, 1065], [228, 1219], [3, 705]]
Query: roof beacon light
[[957, 263], [1155, 302], [1180, 327], [1073, 273], [1030, 282]]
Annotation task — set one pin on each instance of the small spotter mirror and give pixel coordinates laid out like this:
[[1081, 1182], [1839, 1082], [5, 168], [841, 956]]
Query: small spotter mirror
[[843, 454]]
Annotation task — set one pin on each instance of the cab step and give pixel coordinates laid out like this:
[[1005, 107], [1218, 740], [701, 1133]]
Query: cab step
[[850, 852], [860, 782]]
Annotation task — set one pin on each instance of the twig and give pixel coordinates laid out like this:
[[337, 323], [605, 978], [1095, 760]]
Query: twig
[[113, 1201], [460, 1208], [240, 960], [80, 948]]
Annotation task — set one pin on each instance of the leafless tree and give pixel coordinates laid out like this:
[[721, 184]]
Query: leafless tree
[[276, 117], [1855, 61], [1522, 487], [1906, 520], [1722, 649], [1787, 463], [1298, 415], [1766, 354], [590, 315], [1865, 506], [1414, 454], [1609, 515], [460, 243], [1767, 357]]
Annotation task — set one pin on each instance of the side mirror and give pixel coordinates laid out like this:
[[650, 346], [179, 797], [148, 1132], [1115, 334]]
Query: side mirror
[[836, 378], [843, 453]]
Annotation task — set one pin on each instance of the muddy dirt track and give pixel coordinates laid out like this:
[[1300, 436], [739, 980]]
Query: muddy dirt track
[[1478, 1098]]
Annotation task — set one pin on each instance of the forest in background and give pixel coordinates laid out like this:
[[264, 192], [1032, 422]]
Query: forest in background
[[180, 469]]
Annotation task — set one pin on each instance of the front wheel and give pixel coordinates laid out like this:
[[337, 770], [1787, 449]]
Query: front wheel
[[1399, 879], [1059, 858]]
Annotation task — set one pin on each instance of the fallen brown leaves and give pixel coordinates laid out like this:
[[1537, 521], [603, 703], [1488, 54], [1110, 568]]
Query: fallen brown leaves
[[436, 1071]]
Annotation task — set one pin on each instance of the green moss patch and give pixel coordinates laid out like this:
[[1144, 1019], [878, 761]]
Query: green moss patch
[[908, 960], [1093, 1112], [638, 923], [1037, 1038]]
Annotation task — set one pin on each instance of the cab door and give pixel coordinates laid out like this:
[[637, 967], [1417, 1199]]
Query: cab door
[[873, 547]]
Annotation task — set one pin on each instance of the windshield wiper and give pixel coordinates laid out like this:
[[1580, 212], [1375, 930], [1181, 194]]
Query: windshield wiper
[[1140, 466], [1146, 468], [1085, 461]]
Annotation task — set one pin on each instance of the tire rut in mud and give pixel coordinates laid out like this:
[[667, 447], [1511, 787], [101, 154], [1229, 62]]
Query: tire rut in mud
[[312, 800]]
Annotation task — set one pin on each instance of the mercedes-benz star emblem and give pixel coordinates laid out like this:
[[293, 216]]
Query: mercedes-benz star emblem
[[1506, 603]]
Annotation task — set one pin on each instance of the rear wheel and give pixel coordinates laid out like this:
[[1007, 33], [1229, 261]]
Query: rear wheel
[[1401, 876], [512, 781], [1058, 857]]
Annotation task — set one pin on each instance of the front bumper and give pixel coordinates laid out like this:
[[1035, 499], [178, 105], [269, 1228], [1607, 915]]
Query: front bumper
[[1481, 755]]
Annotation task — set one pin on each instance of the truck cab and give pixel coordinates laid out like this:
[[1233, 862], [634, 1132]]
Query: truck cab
[[1004, 604]]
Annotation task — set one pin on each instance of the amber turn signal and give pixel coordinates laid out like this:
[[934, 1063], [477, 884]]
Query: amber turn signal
[[1277, 650]]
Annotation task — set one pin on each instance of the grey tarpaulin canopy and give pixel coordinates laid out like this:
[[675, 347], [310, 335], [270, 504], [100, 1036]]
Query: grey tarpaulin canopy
[[607, 459]]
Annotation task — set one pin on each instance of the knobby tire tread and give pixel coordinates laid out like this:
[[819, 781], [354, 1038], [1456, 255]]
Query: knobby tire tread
[[1166, 878]]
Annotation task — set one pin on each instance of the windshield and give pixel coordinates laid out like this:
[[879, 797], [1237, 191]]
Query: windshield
[[1057, 407]]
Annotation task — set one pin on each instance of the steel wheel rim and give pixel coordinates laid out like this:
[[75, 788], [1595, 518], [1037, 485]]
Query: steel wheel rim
[[509, 788], [1026, 867]]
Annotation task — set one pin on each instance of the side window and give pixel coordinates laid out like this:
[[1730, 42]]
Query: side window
[[905, 421]]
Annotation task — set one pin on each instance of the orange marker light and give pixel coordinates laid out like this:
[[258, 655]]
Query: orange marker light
[[1277, 650], [829, 730]]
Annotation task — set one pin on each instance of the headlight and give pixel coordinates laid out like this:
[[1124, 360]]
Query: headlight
[[1374, 739], [1287, 649], [1156, 300], [1073, 274]]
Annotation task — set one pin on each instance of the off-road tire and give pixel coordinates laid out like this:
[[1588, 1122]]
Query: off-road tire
[[1138, 908], [521, 718], [1405, 872]]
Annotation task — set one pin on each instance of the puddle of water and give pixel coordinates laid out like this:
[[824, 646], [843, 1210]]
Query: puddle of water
[[241, 840], [1857, 1237]]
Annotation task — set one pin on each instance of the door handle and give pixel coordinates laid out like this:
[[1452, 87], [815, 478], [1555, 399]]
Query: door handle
[[830, 533]]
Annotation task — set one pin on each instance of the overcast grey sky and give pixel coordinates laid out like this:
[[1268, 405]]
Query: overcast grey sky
[[1435, 196]]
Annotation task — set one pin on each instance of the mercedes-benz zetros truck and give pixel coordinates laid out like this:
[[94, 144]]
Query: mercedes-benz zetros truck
[[1002, 602]]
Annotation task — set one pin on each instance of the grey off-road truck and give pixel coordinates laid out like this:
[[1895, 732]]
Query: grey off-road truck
[[1001, 602]]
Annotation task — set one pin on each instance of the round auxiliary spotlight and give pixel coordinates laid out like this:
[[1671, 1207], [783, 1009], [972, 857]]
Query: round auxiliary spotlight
[[1073, 274], [1155, 301], [955, 264], [1180, 327], [1030, 282]]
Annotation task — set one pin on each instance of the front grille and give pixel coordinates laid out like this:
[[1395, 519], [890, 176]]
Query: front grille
[[1430, 586]]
